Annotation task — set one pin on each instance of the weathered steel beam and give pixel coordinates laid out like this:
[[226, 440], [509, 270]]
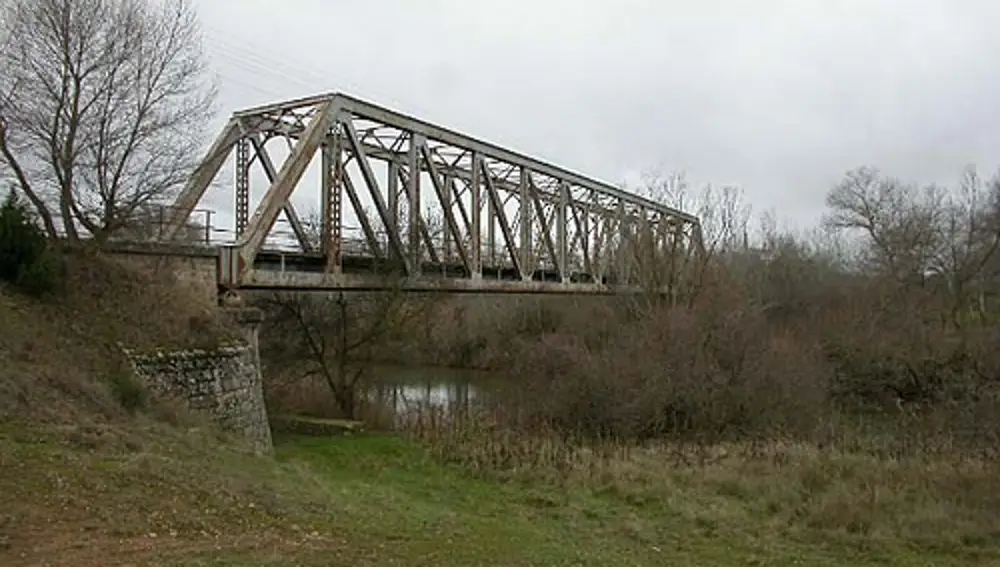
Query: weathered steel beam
[[242, 185], [562, 243], [413, 195], [291, 280], [454, 171], [200, 179], [330, 201], [312, 100], [475, 230], [594, 222], [402, 121], [395, 244], [281, 189], [288, 208], [385, 116]]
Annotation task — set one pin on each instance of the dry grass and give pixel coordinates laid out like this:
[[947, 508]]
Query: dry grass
[[74, 460], [140, 488], [59, 352], [854, 489]]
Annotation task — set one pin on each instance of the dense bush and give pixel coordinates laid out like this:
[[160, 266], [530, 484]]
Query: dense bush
[[682, 371], [728, 364], [25, 258]]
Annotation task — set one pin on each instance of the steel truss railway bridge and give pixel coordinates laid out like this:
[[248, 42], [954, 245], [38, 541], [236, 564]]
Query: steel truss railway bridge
[[403, 202]]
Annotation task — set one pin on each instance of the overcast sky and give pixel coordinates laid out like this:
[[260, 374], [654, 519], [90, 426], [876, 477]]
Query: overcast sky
[[780, 97]]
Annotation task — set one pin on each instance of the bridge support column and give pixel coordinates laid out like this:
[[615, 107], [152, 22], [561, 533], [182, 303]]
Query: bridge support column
[[254, 411], [248, 319]]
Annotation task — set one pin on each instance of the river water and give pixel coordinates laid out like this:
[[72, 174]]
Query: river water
[[401, 388]]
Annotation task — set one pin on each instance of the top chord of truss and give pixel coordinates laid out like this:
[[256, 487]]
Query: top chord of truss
[[380, 114]]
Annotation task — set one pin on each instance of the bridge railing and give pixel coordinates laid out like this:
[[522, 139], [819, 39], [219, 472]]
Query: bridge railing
[[204, 229], [147, 224]]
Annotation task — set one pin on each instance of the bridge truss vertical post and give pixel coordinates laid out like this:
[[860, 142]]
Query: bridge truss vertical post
[[332, 195], [491, 233], [561, 243], [620, 244], [524, 223], [586, 238], [392, 188], [447, 196], [242, 185], [413, 207], [475, 240], [596, 247]]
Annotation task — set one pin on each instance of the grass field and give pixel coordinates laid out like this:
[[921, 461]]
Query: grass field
[[80, 499]]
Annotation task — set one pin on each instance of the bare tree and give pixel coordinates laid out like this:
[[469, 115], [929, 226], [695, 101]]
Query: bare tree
[[103, 106], [722, 210], [969, 237], [679, 269], [336, 339], [901, 222]]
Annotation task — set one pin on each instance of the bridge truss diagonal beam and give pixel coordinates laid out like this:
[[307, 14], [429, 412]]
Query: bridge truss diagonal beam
[[284, 183], [489, 213], [272, 174]]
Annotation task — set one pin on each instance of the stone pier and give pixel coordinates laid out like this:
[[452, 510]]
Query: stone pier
[[224, 382]]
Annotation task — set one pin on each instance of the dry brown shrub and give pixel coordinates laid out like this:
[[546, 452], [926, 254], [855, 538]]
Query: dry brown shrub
[[294, 395], [479, 332], [707, 371]]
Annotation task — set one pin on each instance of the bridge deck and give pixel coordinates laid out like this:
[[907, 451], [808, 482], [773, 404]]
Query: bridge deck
[[296, 271]]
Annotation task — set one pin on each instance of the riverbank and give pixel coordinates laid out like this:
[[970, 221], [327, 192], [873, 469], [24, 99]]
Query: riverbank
[[381, 500], [790, 507], [93, 475]]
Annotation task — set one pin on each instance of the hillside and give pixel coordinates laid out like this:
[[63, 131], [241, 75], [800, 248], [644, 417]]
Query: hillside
[[57, 346], [83, 475]]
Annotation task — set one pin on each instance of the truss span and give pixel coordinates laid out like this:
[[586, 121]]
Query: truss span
[[400, 197]]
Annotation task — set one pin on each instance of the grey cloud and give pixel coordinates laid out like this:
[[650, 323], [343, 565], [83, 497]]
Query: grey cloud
[[780, 97]]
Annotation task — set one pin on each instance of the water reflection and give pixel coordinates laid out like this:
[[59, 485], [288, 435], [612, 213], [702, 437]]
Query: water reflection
[[400, 388]]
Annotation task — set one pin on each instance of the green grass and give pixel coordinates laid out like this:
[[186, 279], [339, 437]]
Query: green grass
[[395, 506], [379, 500]]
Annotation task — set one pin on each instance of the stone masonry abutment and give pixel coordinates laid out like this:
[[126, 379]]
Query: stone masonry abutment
[[225, 382]]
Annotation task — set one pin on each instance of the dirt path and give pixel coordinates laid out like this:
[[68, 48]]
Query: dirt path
[[71, 548]]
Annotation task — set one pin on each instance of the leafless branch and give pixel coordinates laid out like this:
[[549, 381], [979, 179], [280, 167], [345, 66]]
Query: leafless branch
[[901, 221], [107, 104], [336, 337]]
